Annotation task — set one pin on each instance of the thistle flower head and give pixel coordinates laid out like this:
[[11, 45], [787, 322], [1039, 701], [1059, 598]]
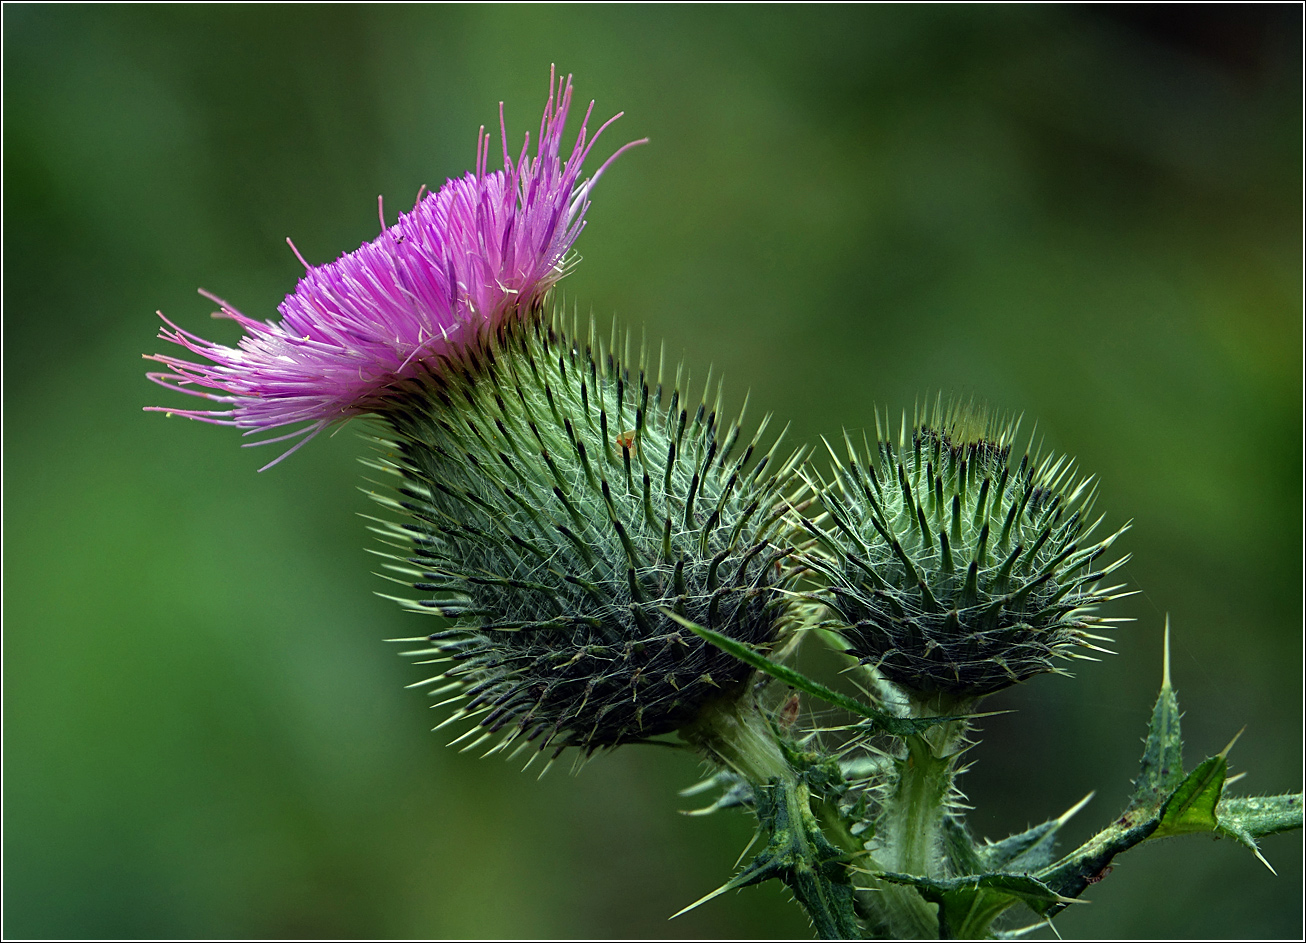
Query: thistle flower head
[[557, 505], [951, 571], [482, 249]]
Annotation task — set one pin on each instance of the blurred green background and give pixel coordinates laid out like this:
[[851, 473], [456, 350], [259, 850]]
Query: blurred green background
[[1092, 215]]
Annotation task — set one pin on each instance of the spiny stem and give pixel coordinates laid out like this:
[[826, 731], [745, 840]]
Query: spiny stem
[[795, 850], [738, 737], [911, 826], [918, 803]]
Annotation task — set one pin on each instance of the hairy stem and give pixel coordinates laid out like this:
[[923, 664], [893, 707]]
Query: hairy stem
[[910, 826], [794, 849], [913, 826], [736, 735]]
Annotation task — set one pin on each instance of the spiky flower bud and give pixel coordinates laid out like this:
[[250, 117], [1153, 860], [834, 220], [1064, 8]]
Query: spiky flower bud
[[559, 504], [950, 571]]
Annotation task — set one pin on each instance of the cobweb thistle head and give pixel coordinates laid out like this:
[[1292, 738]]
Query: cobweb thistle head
[[558, 502], [953, 568], [483, 249]]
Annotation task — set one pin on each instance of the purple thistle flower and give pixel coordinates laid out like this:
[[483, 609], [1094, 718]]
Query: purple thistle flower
[[484, 248]]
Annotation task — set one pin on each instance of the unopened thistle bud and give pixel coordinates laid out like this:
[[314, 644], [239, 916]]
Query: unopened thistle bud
[[952, 572], [560, 504]]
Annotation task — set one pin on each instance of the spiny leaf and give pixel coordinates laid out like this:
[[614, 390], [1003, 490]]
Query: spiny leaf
[[1191, 807], [963, 855], [1027, 850], [1022, 886], [896, 726], [969, 905], [1161, 769], [1166, 803]]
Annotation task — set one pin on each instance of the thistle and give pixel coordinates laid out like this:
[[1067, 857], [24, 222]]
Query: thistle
[[617, 563], [563, 508], [952, 573], [483, 249]]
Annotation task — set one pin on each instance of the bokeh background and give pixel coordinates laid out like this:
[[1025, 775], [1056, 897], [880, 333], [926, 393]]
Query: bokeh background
[[1092, 215]]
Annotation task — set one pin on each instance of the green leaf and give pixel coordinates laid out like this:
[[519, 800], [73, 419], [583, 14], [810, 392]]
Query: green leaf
[[996, 876], [1160, 772], [1001, 855], [887, 723], [1191, 807], [1162, 768], [1029, 850], [969, 905], [1021, 886], [1166, 803], [962, 850]]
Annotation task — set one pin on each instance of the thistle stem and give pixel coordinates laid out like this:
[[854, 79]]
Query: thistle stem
[[795, 850], [923, 787], [925, 782], [911, 826], [736, 735]]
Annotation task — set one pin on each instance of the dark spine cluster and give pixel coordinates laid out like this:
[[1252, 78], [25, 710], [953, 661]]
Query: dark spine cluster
[[558, 504], [952, 572]]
